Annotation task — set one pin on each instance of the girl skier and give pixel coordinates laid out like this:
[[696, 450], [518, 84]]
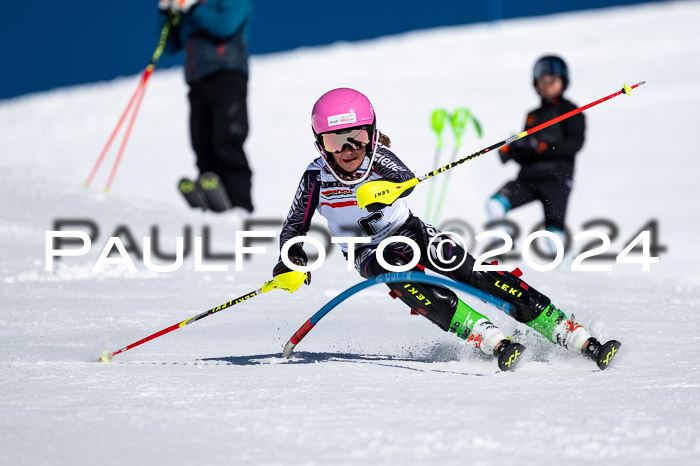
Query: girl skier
[[354, 152]]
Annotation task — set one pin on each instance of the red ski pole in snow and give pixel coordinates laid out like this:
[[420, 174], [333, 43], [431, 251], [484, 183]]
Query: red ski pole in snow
[[288, 281], [136, 97]]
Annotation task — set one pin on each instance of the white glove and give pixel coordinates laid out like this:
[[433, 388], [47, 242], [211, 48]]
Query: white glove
[[182, 5], [164, 5]]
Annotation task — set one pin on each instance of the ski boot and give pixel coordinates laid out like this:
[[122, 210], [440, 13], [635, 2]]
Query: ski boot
[[476, 328], [536, 310], [442, 307], [564, 331], [192, 194], [214, 192]]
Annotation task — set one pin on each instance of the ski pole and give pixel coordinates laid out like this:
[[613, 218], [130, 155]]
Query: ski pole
[[137, 97], [288, 281], [386, 192], [459, 122], [417, 277], [437, 120]]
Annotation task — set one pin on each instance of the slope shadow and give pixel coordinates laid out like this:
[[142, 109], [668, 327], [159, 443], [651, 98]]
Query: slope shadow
[[314, 358]]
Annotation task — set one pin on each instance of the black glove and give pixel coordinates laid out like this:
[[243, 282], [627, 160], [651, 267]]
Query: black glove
[[527, 144], [297, 256]]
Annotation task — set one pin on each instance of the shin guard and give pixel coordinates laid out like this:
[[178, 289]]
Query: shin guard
[[528, 302], [435, 303], [442, 307]]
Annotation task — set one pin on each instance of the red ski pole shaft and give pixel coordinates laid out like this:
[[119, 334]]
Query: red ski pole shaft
[[142, 88], [114, 133], [625, 90], [386, 192], [136, 96], [107, 357], [288, 281]]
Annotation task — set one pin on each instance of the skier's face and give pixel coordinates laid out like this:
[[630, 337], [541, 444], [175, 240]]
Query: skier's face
[[350, 160], [549, 86]]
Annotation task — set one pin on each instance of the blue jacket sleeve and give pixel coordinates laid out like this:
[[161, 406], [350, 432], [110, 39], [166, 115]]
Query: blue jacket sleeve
[[221, 18]]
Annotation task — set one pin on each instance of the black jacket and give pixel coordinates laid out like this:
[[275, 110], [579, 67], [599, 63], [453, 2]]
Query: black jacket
[[550, 153]]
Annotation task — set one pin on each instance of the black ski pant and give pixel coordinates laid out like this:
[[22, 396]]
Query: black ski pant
[[422, 233], [553, 194], [218, 128], [442, 302], [527, 302]]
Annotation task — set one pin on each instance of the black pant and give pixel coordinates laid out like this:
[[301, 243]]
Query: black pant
[[218, 128], [367, 265], [527, 305], [553, 194]]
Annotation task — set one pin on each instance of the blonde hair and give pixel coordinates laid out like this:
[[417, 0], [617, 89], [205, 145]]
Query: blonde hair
[[384, 140]]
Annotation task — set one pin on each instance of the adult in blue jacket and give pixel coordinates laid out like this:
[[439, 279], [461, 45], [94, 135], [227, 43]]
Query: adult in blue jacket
[[214, 37]]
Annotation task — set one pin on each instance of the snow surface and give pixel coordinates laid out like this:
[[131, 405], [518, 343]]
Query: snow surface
[[369, 384]]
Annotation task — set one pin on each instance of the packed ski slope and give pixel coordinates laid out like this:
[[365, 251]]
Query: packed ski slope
[[370, 384]]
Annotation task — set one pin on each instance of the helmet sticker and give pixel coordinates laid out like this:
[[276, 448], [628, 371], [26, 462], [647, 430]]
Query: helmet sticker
[[342, 119]]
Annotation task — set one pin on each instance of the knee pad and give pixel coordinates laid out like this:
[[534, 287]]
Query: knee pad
[[436, 303], [528, 302]]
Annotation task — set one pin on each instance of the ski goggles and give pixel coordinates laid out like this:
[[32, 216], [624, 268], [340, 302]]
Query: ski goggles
[[338, 141]]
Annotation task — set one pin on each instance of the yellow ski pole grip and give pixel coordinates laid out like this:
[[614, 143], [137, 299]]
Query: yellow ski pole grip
[[288, 281], [382, 192]]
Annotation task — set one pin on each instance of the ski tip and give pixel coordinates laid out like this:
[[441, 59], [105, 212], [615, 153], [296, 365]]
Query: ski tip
[[606, 354], [510, 356], [186, 186]]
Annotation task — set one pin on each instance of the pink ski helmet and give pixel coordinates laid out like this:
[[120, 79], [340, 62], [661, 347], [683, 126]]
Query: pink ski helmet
[[337, 113]]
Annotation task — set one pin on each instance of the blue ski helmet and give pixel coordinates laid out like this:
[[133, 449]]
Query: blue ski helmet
[[553, 65]]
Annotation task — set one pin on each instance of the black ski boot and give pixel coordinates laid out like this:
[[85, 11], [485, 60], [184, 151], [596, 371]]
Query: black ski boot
[[601, 354], [192, 194], [214, 192]]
